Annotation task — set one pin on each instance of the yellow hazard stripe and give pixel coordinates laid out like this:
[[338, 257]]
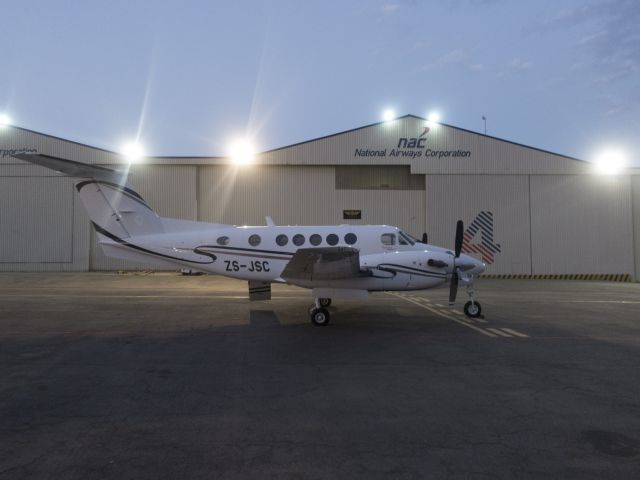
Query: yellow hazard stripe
[[600, 277]]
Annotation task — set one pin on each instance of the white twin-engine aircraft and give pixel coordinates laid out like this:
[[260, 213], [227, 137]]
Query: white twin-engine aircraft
[[342, 261]]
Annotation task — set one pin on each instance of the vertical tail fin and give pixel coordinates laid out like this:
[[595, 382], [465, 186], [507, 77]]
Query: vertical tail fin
[[112, 204]]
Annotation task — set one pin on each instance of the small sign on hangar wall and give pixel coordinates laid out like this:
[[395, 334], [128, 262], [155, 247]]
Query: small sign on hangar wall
[[352, 214]]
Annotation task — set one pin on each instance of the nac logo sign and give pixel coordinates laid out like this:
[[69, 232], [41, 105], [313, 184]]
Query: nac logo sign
[[414, 142]]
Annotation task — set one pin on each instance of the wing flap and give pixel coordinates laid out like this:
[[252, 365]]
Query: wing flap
[[328, 263]]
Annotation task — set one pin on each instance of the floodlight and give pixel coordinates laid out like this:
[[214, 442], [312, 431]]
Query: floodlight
[[610, 162], [133, 151], [242, 152], [434, 117], [388, 115]]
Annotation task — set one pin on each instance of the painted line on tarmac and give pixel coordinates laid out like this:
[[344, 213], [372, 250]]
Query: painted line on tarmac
[[142, 296], [598, 301], [514, 332], [478, 320], [497, 331], [433, 310]]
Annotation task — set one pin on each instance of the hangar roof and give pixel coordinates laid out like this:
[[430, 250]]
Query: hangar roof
[[409, 140]]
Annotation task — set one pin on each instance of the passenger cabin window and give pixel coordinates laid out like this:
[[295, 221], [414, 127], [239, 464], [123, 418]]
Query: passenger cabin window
[[315, 239], [388, 238], [350, 238], [254, 240], [223, 241], [332, 239], [282, 240], [298, 239]]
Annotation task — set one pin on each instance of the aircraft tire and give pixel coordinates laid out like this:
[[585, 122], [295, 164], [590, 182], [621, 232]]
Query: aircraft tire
[[472, 310], [325, 302], [320, 317]]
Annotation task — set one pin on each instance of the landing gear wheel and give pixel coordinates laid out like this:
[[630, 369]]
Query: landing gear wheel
[[472, 309], [320, 316], [324, 302]]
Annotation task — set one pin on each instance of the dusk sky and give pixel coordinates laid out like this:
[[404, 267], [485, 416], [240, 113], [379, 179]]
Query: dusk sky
[[187, 77]]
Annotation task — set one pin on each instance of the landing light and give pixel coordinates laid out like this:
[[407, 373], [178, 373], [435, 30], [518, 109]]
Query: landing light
[[133, 152], [388, 115], [4, 119], [242, 152], [610, 162]]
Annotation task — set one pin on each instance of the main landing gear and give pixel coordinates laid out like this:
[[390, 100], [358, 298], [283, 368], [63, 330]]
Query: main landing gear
[[319, 313], [324, 302]]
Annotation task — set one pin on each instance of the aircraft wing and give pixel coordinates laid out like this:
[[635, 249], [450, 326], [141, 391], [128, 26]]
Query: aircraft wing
[[71, 168], [325, 263]]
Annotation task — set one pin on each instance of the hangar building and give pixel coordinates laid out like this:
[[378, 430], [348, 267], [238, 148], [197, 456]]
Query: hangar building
[[527, 212]]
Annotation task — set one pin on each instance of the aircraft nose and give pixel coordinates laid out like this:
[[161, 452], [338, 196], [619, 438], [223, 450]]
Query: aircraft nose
[[479, 268], [471, 265]]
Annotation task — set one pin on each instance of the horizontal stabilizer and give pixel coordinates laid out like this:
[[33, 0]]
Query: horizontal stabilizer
[[111, 202], [71, 168]]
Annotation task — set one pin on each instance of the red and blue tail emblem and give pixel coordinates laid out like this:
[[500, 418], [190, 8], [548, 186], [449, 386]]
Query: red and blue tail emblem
[[483, 225]]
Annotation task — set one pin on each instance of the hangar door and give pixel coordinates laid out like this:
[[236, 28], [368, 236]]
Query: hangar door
[[381, 195], [36, 222], [312, 195]]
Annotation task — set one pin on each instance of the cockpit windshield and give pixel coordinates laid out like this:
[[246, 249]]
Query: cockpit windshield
[[408, 239]]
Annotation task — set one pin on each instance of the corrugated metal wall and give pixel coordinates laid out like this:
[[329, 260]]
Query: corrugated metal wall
[[581, 224], [243, 196], [299, 195], [542, 224], [487, 154], [549, 214], [377, 177], [36, 220], [43, 226], [454, 197], [635, 206]]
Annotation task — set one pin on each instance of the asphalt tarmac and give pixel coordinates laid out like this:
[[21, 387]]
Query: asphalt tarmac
[[164, 376]]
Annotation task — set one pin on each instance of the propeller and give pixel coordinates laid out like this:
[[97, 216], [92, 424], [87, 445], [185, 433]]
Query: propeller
[[453, 286], [459, 233]]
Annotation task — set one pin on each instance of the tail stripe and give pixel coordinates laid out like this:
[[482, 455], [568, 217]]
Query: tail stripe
[[119, 240], [132, 194]]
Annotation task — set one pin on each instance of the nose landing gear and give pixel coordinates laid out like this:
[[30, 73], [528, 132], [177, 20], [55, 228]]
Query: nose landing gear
[[472, 308]]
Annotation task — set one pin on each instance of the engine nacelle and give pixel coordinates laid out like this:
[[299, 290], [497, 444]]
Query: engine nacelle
[[436, 261]]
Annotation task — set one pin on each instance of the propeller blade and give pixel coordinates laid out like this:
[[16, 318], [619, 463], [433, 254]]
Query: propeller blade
[[459, 233], [453, 288]]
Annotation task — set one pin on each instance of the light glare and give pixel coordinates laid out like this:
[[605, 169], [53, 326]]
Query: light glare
[[242, 152], [610, 162], [133, 151], [388, 115], [5, 119], [434, 117]]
